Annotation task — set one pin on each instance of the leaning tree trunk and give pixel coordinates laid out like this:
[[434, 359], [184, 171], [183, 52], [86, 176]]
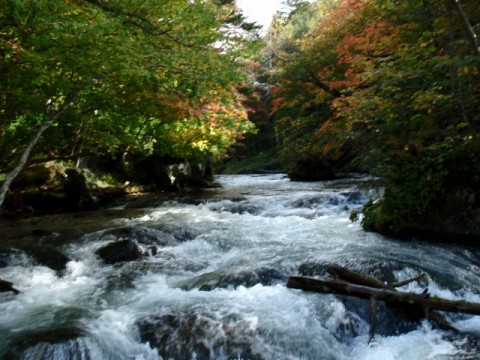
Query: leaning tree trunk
[[26, 154]]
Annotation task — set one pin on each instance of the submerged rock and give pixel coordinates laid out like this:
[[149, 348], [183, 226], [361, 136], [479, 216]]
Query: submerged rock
[[313, 268], [41, 233], [143, 235], [225, 279], [14, 257], [123, 250], [179, 232], [66, 342]]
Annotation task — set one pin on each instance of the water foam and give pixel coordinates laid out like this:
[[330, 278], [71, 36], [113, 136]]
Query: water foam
[[257, 226]]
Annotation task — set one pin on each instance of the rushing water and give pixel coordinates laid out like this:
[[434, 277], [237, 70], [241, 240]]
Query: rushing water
[[215, 289]]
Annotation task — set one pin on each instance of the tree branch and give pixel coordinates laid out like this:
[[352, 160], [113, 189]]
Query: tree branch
[[131, 19], [26, 154], [322, 85]]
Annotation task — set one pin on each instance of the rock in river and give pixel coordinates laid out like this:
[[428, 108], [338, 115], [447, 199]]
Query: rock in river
[[124, 250]]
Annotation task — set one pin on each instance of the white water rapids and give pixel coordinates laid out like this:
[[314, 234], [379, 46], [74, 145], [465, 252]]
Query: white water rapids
[[215, 289]]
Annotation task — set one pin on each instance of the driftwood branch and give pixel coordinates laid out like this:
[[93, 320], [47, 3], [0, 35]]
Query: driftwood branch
[[373, 319], [367, 280], [354, 277], [405, 282]]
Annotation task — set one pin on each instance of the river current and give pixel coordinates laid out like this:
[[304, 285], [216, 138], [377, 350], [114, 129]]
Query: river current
[[216, 286]]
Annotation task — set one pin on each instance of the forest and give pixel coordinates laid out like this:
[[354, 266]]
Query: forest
[[114, 90]]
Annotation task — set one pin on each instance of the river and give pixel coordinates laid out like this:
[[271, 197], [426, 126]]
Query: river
[[215, 288]]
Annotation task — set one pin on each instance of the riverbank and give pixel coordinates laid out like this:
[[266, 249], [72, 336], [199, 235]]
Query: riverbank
[[58, 187]]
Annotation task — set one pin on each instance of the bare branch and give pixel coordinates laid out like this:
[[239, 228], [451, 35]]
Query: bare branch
[[405, 282]]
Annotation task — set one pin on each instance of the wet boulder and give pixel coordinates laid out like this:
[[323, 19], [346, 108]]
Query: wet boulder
[[202, 336], [242, 207], [120, 251], [48, 256], [66, 342], [7, 286]]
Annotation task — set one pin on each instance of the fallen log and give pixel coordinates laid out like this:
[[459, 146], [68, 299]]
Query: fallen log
[[413, 311], [417, 306], [425, 302]]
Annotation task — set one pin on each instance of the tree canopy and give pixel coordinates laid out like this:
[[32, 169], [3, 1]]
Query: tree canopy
[[386, 87], [131, 76]]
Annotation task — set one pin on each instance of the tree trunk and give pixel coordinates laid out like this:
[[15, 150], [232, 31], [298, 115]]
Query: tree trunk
[[467, 25], [26, 154]]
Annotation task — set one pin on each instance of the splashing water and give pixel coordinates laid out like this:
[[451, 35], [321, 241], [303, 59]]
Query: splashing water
[[213, 283]]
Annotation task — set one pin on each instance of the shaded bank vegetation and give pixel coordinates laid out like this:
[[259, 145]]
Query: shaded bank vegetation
[[389, 88]]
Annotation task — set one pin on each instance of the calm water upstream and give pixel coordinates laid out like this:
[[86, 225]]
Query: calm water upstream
[[215, 289]]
